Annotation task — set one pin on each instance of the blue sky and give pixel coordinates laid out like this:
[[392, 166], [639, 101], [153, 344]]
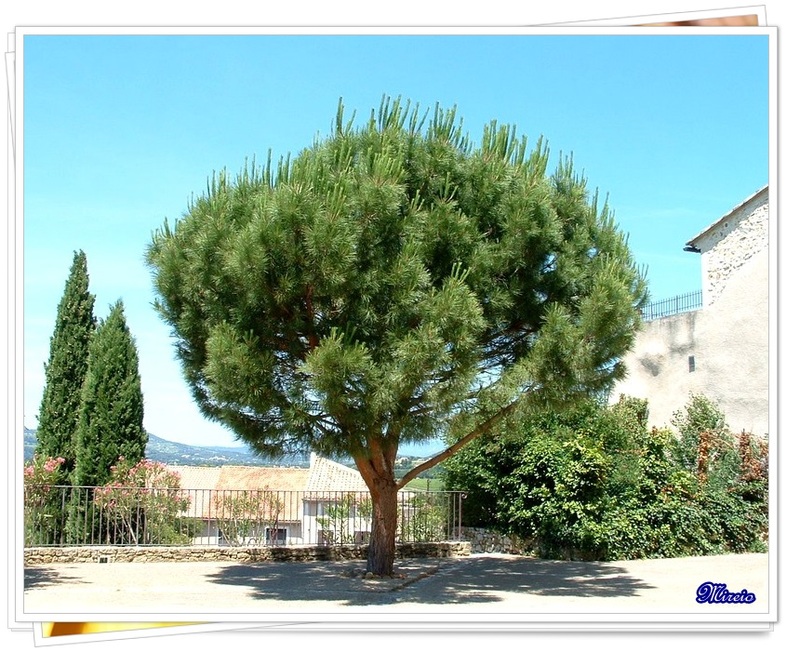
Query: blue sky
[[121, 131]]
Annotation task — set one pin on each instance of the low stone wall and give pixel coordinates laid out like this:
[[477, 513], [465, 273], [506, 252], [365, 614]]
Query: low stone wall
[[483, 540], [116, 554]]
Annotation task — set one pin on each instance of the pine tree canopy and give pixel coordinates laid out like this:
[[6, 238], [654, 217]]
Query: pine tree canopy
[[112, 409], [66, 366], [393, 282]]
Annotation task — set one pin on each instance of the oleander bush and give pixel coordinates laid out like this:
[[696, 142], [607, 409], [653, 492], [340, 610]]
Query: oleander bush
[[42, 499], [141, 504]]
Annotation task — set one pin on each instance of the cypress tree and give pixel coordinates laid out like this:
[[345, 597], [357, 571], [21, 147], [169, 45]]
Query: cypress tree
[[112, 409], [66, 367]]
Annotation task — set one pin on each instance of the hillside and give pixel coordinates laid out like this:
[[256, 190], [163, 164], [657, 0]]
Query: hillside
[[170, 452]]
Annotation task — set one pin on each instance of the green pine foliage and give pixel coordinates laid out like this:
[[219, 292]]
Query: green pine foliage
[[393, 282], [112, 408], [594, 482], [65, 370], [378, 283]]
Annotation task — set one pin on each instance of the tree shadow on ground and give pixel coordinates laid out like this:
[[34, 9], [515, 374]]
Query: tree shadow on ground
[[489, 578], [319, 581], [453, 581], [35, 578]]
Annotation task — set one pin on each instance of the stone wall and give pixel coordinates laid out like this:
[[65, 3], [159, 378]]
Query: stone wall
[[731, 243], [121, 554], [482, 540]]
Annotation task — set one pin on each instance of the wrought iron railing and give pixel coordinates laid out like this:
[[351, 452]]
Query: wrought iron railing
[[66, 515], [673, 306]]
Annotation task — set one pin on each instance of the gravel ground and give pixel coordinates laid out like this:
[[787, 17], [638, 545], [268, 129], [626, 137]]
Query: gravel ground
[[492, 584]]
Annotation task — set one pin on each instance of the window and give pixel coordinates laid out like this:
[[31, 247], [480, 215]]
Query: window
[[275, 536], [691, 363]]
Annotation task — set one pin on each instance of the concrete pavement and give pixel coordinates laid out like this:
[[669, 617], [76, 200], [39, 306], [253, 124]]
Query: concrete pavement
[[493, 585]]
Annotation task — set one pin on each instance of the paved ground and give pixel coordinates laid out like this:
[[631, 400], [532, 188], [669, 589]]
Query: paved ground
[[481, 584]]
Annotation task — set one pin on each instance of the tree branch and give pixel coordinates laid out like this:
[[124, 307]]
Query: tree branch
[[313, 338], [452, 450]]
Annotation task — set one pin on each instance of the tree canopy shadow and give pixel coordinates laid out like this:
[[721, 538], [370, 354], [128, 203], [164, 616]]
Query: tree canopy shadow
[[454, 581], [41, 577], [335, 582], [485, 579]]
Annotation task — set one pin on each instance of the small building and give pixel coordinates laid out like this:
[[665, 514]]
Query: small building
[[721, 349], [240, 505], [327, 503], [336, 504]]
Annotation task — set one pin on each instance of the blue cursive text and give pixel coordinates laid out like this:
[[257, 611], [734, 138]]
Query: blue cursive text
[[715, 593]]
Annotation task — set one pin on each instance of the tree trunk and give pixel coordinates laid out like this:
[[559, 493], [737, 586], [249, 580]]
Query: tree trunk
[[377, 470], [381, 551]]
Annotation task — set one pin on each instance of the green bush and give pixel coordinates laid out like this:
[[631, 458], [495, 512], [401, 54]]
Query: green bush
[[595, 483]]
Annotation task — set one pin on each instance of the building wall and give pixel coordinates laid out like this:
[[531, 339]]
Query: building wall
[[210, 534], [730, 244], [658, 366], [728, 339], [339, 527]]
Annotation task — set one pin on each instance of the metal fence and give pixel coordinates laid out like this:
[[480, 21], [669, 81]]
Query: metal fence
[[66, 515], [673, 305]]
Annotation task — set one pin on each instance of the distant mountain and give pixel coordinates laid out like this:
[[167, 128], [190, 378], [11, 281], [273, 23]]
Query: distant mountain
[[170, 452], [29, 442]]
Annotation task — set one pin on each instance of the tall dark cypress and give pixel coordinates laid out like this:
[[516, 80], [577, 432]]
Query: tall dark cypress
[[66, 367], [112, 410]]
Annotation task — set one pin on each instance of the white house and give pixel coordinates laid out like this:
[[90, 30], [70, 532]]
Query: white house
[[236, 505], [325, 504]]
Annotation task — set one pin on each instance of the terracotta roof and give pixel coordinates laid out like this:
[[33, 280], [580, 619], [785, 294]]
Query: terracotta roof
[[242, 478], [197, 477], [327, 476], [211, 489], [256, 477]]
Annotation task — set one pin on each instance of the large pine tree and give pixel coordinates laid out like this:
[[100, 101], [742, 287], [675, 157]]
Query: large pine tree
[[392, 283], [66, 367], [112, 410]]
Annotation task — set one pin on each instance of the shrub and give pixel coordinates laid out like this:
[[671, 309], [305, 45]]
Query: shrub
[[42, 503], [248, 516], [141, 504], [595, 483]]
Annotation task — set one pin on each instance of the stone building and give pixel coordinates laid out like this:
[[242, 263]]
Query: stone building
[[721, 349]]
